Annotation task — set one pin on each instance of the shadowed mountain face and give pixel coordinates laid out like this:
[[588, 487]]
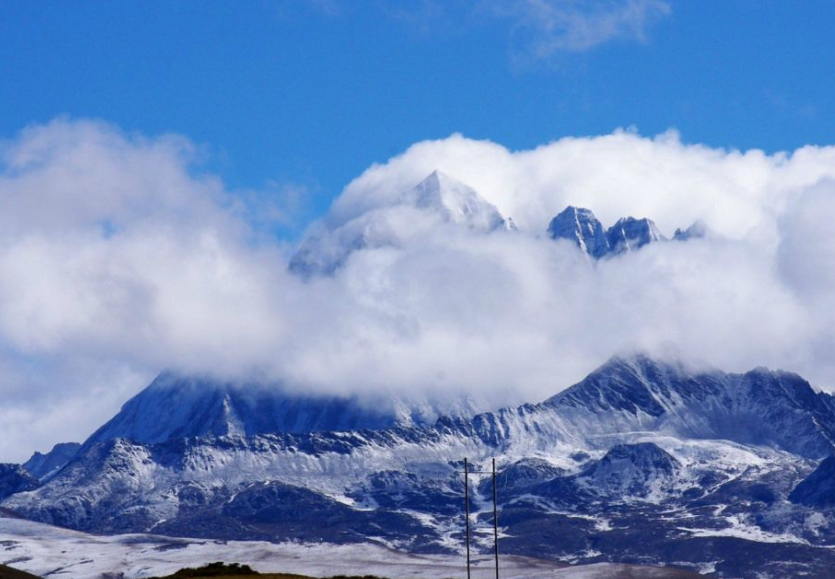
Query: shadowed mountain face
[[818, 489], [178, 406], [43, 466], [642, 461], [582, 227], [630, 234], [15, 479]]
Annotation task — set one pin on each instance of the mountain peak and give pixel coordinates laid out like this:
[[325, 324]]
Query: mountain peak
[[455, 202], [629, 234], [641, 444], [437, 176], [582, 227], [403, 217]]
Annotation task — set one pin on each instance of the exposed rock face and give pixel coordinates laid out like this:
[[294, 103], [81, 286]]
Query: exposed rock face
[[818, 489], [630, 234], [582, 227], [626, 235]]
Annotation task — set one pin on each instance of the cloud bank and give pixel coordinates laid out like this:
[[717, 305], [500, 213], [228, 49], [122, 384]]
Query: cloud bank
[[120, 257]]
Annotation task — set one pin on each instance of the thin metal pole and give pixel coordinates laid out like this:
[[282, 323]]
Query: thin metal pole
[[495, 518], [467, 510]]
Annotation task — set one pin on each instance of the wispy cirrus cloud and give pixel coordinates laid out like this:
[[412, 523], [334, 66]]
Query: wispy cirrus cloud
[[539, 29], [543, 28]]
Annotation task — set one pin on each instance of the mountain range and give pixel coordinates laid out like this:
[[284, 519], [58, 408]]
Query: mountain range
[[642, 462]]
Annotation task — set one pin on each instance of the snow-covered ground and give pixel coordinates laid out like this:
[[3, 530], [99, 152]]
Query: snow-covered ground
[[61, 553]]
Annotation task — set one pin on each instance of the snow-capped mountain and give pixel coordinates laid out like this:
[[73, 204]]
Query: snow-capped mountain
[[437, 201], [627, 234], [643, 461], [455, 202]]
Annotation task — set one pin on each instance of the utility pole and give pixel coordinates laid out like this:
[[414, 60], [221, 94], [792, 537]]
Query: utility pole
[[467, 473], [495, 518], [467, 510]]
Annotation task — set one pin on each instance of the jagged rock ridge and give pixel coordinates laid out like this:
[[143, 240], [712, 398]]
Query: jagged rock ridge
[[581, 226], [626, 235]]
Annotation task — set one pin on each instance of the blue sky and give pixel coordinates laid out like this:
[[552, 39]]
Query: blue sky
[[310, 93]]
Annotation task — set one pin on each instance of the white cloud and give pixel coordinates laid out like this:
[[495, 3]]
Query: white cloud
[[119, 257], [725, 300], [115, 254]]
